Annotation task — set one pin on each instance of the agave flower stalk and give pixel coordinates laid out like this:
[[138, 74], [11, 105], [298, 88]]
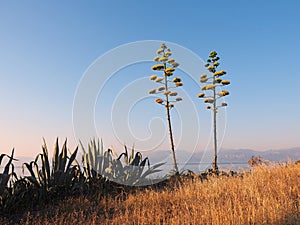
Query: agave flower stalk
[[166, 65], [212, 82]]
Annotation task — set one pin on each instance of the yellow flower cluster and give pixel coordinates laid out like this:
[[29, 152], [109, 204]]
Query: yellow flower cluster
[[159, 79], [223, 93], [212, 64], [203, 80], [159, 51], [159, 101], [161, 88], [169, 74], [216, 64], [156, 58], [152, 91], [163, 59], [167, 92], [163, 46], [219, 73], [212, 54], [175, 64], [168, 53], [225, 82], [158, 67], [208, 100], [218, 80], [210, 86], [169, 69], [201, 95], [153, 77], [176, 79]]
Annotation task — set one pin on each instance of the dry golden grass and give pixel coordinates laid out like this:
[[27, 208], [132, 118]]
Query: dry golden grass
[[264, 196]]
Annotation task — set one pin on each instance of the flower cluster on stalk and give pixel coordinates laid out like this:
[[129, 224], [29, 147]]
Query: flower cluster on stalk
[[213, 81], [166, 65]]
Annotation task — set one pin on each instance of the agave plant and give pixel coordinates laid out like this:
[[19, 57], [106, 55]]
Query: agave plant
[[63, 172], [107, 164], [95, 160], [8, 178], [7, 174], [132, 171]]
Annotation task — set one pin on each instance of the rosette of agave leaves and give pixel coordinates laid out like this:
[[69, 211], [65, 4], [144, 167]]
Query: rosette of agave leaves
[[212, 82], [168, 83]]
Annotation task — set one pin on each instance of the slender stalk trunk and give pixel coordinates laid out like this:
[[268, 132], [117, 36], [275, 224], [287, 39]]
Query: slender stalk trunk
[[171, 141], [215, 166], [169, 125]]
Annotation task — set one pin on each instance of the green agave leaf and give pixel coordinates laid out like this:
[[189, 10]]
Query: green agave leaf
[[46, 164], [152, 170], [43, 171], [126, 159], [136, 160], [90, 157], [107, 159], [95, 152], [11, 158], [114, 153], [75, 160], [120, 156], [101, 147], [63, 157], [55, 159], [2, 156], [157, 165], [36, 169], [29, 168], [142, 166], [83, 149], [131, 158], [71, 160], [148, 172], [87, 166]]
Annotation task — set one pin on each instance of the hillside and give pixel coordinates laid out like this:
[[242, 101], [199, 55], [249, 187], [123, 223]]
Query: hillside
[[263, 196]]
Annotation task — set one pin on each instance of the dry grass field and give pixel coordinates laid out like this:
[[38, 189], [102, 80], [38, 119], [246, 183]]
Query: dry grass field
[[266, 195]]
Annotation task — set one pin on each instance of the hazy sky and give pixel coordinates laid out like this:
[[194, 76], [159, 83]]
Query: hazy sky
[[46, 48]]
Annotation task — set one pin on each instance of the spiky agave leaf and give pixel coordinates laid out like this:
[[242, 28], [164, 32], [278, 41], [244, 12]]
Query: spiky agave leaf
[[5, 176]]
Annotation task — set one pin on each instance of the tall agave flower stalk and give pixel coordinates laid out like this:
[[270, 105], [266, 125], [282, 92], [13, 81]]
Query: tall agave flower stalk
[[212, 82], [166, 65]]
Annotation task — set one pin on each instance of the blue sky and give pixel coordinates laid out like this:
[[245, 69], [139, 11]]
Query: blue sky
[[45, 48]]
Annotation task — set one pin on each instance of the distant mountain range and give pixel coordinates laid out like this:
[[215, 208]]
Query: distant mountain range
[[292, 154], [230, 156]]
